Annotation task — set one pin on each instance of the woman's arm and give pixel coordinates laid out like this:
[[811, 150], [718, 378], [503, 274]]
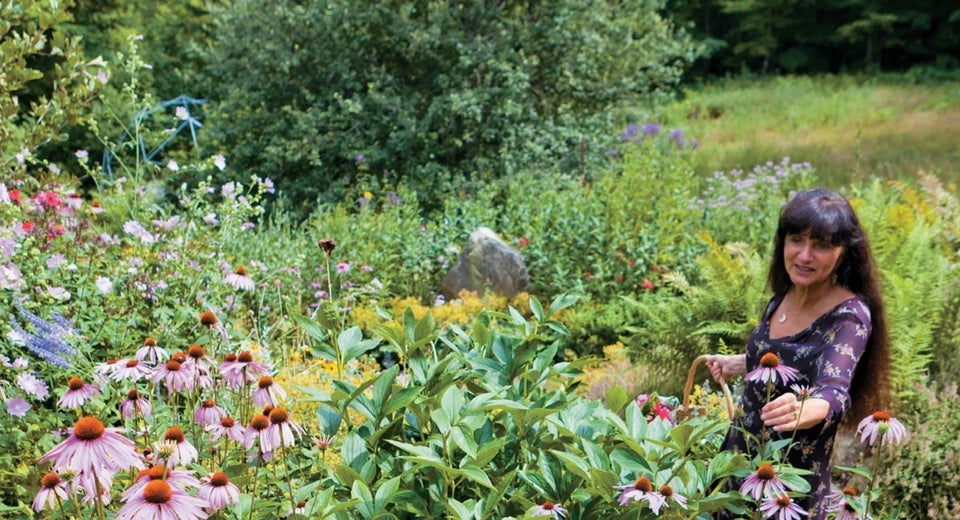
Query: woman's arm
[[722, 368]]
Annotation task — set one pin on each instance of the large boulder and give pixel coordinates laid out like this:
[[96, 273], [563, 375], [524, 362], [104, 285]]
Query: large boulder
[[486, 263]]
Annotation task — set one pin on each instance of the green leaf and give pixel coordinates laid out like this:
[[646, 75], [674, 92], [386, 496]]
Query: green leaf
[[561, 302], [863, 472], [401, 399], [477, 475], [617, 398], [536, 309], [386, 492], [311, 327], [329, 420]]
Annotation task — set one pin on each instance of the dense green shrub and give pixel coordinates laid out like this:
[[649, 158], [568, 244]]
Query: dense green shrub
[[317, 94]]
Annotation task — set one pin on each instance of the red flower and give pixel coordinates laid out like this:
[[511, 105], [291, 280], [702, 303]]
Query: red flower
[[588, 275], [648, 285], [28, 226], [632, 263], [523, 241], [14, 196], [619, 278]]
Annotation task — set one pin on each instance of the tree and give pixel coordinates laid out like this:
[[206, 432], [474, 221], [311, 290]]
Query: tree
[[320, 94], [46, 84]]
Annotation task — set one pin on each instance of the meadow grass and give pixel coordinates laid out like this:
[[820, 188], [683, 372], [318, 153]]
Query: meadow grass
[[847, 127]]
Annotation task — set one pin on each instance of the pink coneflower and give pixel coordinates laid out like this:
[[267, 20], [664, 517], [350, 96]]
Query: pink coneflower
[[841, 507], [323, 442], [268, 393], [130, 369], [92, 448], [181, 480], [782, 507], [281, 432], [226, 426], [151, 353], [301, 509], [803, 392], [763, 483], [881, 425], [218, 492], [135, 404], [208, 413], [243, 370], [208, 319], [174, 377], [638, 491], [548, 508], [343, 267], [51, 487], [183, 453], [661, 498], [104, 370], [200, 365], [770, 369], [77, 393], [238, 279], [160, 501], [257, 432]]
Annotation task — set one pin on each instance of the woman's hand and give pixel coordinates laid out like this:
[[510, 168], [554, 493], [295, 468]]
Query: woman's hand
[[722, 368], [785, 413]]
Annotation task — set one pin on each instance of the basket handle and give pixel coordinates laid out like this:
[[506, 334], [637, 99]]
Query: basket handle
[[688, 387]]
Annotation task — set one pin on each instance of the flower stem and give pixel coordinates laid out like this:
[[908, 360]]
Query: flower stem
[[873, 476], [286, 467]]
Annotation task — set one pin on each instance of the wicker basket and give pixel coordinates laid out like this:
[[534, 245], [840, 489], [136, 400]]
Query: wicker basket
[[686, 410]]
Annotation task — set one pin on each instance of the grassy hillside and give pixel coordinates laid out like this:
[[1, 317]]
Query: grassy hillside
[[846, 127]]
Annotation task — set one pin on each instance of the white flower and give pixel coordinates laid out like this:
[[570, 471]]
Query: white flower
[[220, 161], [59, 293], [4, 194], [81, 154], [210, 218], [182, 113], [228, 190], [22, 156], [172, 165], [136, 229], [104, 285]]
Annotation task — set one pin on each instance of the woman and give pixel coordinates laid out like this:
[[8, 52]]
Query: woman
[[825, 320]]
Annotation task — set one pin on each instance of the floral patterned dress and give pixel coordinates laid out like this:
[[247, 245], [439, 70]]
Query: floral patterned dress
[[826, 355]]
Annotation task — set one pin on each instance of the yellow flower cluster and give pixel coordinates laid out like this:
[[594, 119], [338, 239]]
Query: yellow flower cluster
[[319, 374], [460, 311], [711, 404]]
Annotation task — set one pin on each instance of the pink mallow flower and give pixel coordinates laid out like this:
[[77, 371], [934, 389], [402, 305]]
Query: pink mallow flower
[[161, 501], [218, 491], [77, 394], [770, 369], [882, 425], [51, 487], [763, 483]]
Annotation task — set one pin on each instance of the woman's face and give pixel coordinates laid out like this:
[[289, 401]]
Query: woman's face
[[809, 261]]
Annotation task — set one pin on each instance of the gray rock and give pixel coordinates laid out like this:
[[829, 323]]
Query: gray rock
[[486, 262]]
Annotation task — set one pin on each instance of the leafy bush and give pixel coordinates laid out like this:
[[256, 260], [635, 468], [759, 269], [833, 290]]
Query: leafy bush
[[318, 95]]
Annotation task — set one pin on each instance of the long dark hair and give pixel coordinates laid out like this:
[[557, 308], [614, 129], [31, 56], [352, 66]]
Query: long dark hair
[[826, 215]]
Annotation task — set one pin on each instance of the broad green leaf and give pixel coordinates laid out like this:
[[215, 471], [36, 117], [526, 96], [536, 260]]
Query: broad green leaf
[[617, 398], [311, 327], [536, 309], [386, 492]]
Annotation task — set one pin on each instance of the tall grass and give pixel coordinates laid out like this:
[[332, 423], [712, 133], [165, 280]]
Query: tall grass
[[849, 128]]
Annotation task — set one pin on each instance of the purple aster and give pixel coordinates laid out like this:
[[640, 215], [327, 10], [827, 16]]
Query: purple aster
[[770, 369], [77, 394], [651, 129]]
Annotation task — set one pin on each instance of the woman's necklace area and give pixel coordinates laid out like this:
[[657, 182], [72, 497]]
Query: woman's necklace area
[[782, 318]]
